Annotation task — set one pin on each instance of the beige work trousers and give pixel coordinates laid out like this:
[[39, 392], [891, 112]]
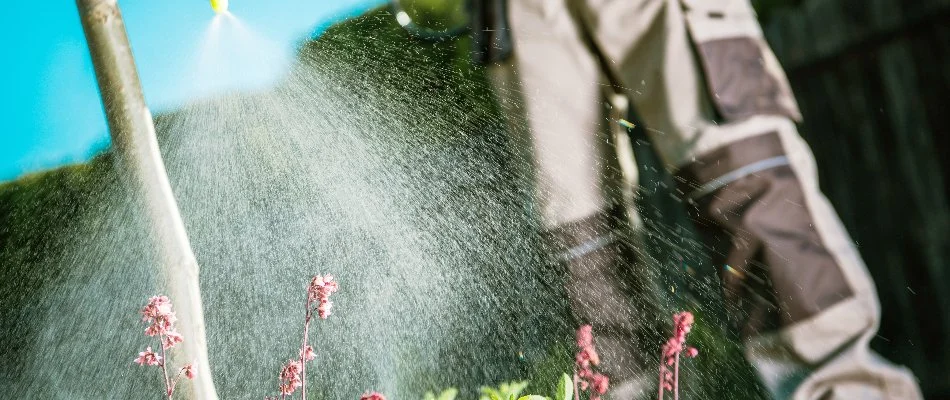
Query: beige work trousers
[[721, 114]]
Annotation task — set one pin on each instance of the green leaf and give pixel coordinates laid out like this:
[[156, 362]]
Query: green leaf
[[565, 388], [514, 388], [429, 396], [448, 394], [506, 391], [533, 397], [490, 393]]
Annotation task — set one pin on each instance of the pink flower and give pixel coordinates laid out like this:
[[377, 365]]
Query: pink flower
[[672, 349], [319, 291], [160, 325], [159, 313], [189, 371], [585, 359], [292, 375], [160, 318], [323, 310], [290, 371], [586, 356], [585, 336], [600, 383], [289, 387], [692, 352], [158, 307], [171, 339], [322, 287], [148, 357], [307, 354], [685, 318], [373, 396]]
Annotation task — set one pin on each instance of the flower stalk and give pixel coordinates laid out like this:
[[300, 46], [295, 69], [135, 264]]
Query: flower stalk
[[585, 361], [294, 374], [670, 356], [159, 315]]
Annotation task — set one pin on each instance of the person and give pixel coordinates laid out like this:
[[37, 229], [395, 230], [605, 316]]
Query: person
[[722, 115]]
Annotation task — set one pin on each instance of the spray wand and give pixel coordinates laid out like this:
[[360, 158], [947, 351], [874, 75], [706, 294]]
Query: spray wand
[[140, 163]]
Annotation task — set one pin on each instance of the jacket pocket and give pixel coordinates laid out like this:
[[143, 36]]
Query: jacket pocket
[[742, 74]]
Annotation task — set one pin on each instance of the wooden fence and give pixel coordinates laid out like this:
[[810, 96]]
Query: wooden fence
[[873, 80]]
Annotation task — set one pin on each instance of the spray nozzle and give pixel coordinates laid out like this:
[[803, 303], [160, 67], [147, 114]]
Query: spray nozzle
[[219, 6]]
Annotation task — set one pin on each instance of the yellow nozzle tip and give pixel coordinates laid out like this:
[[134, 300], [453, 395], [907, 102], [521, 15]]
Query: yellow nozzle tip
[[219, 6]]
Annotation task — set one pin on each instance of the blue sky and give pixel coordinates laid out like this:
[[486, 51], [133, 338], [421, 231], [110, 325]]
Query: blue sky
[[51, 112]]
